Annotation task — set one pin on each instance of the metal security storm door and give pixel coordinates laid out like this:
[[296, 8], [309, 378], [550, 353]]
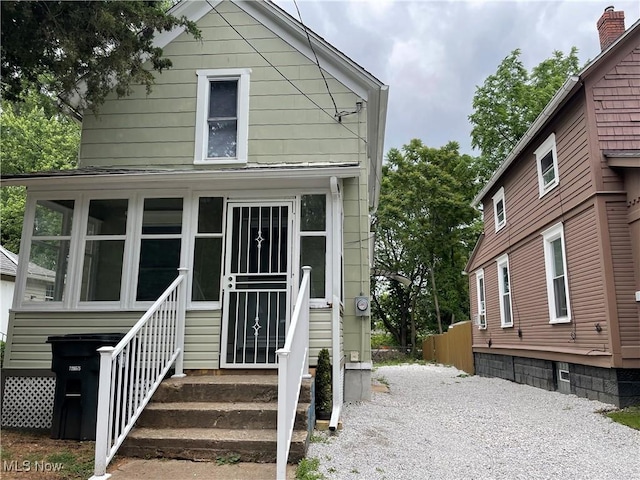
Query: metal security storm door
[[257, 283]]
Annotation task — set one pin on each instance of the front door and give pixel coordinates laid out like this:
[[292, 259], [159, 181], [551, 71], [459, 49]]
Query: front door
[[257, 283]]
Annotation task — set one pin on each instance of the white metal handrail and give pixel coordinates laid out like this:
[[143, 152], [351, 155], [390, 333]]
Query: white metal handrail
[[131, 371], [293, 366]]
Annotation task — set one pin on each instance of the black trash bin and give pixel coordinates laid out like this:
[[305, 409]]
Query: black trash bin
[[76, 363]]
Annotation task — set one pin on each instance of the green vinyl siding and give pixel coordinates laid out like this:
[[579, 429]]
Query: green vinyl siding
[[284, 125], [27, 347]]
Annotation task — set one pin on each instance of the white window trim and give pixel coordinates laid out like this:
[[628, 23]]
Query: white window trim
[[549, 235], [482, 309], [496, 199], [193, 206], [328, 234], [202, 111], [549, 145], [129, 279], [501, 262]]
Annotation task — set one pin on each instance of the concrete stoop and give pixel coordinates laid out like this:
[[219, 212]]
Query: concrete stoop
[[217, 417]]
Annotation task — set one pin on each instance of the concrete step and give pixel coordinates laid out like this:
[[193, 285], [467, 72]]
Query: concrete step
[[239, 415], [224, 388], [211, 444]]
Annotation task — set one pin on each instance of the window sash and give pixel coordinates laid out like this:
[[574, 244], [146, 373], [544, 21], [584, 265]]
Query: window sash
[[504, 287], [221, 134], [556, 276]]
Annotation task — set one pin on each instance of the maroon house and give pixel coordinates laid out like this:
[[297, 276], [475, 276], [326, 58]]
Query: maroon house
[[555, 277]]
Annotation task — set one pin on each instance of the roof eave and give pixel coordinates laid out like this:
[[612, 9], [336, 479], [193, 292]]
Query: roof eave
[[566, 91]]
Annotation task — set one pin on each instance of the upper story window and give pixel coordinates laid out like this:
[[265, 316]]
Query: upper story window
[[482, 312], [222, 116], [547, 165], [499, 209], [504, 287], [556, 272]]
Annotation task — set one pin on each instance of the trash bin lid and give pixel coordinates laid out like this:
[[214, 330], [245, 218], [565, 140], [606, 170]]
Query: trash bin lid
[[101, 338]]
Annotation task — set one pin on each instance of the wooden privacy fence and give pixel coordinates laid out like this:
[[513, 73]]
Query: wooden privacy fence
[[452, 347]]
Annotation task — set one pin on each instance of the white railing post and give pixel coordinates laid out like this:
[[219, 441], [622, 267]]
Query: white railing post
[[182, 308], [293, 366], [283, 430], [102, 416]]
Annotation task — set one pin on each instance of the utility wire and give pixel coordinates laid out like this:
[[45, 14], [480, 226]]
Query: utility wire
[[283, 75], [306, 31]]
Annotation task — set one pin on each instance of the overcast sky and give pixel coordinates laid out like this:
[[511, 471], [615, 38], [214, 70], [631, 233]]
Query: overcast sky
[[433, 54]]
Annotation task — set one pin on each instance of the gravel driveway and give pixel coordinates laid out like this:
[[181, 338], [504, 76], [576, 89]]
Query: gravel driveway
[[438, 423]]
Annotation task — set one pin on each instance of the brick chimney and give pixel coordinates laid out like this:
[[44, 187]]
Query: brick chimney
[[610, 27]]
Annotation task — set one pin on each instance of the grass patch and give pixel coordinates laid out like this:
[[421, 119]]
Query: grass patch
[[318, 438], [63, 459], [629, 416], [463, 375], [308, 470], [230, 459]]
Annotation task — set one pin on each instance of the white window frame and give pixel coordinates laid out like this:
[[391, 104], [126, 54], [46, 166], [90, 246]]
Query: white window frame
[[83, 205], [194, 210], [482, 304], [78, 238], [327, 233], [549, 236], [499, 196], [205, 77], [503, 262], [549, 145]]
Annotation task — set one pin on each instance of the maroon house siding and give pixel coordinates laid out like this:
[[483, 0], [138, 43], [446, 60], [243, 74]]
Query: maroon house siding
[[596, 122], [529, 295], [526, 212]]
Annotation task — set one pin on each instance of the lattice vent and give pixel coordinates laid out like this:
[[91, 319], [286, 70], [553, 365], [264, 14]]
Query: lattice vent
[[28, 402]]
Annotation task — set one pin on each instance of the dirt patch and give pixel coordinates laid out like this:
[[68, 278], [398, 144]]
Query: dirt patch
[[28, 455]]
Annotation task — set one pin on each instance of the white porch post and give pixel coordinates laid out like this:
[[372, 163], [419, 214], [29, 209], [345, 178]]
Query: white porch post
[[180, 326]]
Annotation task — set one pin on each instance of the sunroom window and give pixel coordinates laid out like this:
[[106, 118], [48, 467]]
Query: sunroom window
[[160, 245], [49, 252], [104, 250], [207, 251], [313, 241]]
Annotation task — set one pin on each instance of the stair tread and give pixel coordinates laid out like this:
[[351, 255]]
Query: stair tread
[[214, 406], [223, 379], [210, 434]]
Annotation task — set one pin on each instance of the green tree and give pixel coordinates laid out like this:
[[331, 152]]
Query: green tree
[[425, 228], [53, 45], [34, 136], [509, 101]]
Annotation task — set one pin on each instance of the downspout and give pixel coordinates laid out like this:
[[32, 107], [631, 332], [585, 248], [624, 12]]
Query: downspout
[[336, 217]]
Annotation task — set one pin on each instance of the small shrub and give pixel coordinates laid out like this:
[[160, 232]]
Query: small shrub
[[324, 397], [2, 345], [308, 470]]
